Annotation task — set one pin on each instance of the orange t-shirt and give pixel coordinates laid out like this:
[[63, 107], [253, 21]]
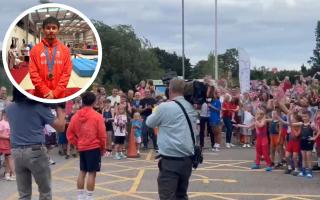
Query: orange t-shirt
[[39, 72]]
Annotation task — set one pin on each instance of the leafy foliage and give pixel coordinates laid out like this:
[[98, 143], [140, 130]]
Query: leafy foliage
[[315, 59]]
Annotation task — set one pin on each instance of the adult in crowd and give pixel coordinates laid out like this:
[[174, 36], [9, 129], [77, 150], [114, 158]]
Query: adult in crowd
[[87, 132], [146, 106], [114, 98], [215, 119], [227, 113], [130, 96], [141, 88], [27, 120], [151, 87], [204, 123], [175, 143]]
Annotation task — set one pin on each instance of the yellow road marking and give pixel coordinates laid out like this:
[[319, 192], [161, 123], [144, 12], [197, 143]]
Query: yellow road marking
[[279, 198], [63, 167], [138, 179], [291, 197], [301, 198], [116, 176], [109, 182], [148, 158], [220, 197]]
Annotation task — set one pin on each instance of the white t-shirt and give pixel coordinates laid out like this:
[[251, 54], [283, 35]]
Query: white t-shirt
[[248, 118], [120, 122], [114, 100], [204, 110]]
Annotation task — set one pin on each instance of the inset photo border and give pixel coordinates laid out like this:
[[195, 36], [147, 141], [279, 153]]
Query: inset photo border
[[49, 31]]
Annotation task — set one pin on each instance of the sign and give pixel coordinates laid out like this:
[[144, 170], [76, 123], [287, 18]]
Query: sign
[[244, 71]]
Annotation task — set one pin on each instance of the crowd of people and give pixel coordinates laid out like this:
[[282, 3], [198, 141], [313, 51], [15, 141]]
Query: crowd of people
[[281, 119]]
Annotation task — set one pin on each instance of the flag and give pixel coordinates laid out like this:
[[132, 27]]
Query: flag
[[244, 70]]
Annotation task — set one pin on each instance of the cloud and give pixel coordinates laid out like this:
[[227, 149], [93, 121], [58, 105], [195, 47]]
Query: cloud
[[274, 32]]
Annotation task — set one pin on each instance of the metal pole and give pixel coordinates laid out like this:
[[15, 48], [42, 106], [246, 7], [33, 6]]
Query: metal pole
[[216, 41], [183, 70]]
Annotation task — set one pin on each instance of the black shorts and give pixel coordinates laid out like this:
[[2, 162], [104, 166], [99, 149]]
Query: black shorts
[[119, 139], [90, 160], [51, 139], [306, 145]]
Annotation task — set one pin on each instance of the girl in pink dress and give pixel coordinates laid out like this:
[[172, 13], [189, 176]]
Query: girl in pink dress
[[5, 148]]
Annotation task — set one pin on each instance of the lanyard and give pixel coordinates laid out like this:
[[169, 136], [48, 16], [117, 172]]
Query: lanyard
[[50, 62]]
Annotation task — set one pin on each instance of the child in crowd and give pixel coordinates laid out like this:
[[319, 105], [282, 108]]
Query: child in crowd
[[137, 125], [262, 146], [5, 148], [120, 132], [274, 136], [307, 143], [108, 114], [282, 142], [317, 140], [293, 145], [247, 120]]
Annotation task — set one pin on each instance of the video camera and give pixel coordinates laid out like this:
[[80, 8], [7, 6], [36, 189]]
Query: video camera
[[195, 91]]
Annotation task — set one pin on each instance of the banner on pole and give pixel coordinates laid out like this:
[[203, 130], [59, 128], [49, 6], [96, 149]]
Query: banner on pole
[[244, 70]]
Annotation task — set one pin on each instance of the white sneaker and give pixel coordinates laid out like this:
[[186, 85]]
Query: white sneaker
[[107, 154], [244, 146], [217, 149], [82, 197], [248, 145], [13, 178], [228, 145], [7, 176], [52, 162], [213, 149], [122, 156], [117, 157], [232, 145]]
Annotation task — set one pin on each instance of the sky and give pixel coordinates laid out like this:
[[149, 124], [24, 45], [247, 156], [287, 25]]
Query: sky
[[275, 33]]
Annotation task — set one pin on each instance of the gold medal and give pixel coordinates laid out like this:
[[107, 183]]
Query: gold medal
[[50, 76]]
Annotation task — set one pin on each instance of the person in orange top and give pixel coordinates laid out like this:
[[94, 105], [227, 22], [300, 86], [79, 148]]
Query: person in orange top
[[87, 132], [50, 64]]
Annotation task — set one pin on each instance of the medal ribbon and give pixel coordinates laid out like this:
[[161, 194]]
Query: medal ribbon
[[50, 62]]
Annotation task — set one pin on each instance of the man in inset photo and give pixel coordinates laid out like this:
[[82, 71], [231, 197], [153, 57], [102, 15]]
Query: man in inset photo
[[50, 63]]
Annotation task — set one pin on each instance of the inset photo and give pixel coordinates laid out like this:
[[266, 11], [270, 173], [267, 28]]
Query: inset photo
[[52, 53]]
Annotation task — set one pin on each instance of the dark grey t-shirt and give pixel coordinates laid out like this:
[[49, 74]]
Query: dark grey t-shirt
[[27, 123]]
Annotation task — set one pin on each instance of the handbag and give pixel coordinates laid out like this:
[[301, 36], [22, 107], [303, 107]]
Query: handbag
[[197, 158]]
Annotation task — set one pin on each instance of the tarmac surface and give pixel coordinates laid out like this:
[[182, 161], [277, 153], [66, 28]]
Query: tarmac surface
[[224, 175]]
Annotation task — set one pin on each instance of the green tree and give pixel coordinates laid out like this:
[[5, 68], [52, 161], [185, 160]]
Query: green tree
[[126, 59], [227, 62], [4, 80], [315, 59], [173, 62]]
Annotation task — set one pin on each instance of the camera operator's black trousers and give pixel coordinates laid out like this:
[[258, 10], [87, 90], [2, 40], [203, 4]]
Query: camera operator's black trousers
[[173, 178]]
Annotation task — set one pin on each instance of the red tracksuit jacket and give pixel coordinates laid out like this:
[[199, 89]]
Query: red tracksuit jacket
[[87, 130], [38, 69]]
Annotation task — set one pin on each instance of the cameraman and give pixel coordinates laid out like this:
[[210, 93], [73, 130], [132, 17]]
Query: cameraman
[[175, 143], [27, 119]]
